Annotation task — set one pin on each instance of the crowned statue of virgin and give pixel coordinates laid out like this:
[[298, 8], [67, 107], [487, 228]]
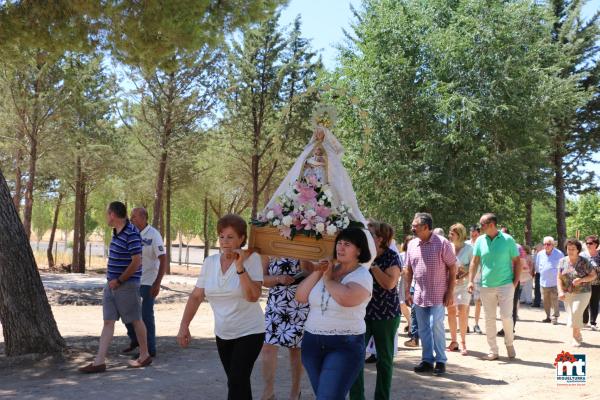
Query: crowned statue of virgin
[[321, 162]]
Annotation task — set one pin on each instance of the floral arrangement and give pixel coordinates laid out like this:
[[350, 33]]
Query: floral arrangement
[[306, 208]]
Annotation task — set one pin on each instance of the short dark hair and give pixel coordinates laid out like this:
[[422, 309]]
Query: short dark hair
[[474, 228], [592, 238], [490, 217], [573, 242], [235, 222], [425, 219], [118, 208], [357, 237]]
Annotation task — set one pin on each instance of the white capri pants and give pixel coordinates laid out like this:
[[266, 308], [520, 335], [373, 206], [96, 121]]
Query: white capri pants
[[575, 304]]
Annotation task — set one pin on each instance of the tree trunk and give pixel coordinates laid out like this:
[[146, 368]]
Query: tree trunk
[[53, 232], [528, 222], [187, 253], [30, 184], [76, 220], [180, 245], [27, 321], [559, 186], [205, 229], [255, 193], [158, 193], [18, 180], [82, 231], [168, 223]]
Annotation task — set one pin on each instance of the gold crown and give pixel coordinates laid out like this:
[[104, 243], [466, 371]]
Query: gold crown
[[324, 116]]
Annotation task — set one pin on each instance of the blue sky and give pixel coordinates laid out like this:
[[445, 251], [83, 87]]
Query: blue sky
[[323, 22]]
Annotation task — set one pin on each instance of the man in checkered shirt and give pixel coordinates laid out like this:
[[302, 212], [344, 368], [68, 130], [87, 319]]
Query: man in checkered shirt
[[430, 259]]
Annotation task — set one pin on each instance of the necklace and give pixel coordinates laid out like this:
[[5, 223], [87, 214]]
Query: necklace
[[324, 301]]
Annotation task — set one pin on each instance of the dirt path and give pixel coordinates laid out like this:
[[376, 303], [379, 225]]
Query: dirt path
[[196, 373]]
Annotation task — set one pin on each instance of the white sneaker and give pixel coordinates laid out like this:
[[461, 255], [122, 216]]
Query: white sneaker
[[594, 327]]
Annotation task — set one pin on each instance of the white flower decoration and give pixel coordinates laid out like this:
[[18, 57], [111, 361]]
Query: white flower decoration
[[320, 227], [331, 230], [287, 220]]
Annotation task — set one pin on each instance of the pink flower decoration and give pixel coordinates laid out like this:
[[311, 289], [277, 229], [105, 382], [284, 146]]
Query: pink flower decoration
[[307, 224], [285, 232], [298, 222], [307, 194], [277, 209], [323, 211]]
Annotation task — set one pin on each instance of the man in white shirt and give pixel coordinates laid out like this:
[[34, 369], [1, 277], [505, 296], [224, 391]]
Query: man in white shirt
[[154, 265]]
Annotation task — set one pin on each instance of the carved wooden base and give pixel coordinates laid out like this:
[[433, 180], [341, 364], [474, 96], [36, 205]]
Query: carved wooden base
[[268, 241]]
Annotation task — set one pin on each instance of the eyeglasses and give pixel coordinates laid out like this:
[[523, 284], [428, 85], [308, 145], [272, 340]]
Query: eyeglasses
[[590, 243], [547, 244]]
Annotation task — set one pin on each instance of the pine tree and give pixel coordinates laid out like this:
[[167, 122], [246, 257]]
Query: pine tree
[[575, 134]]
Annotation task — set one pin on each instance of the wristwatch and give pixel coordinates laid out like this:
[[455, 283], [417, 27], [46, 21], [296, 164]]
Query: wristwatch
[[240, 273], [119, 280]]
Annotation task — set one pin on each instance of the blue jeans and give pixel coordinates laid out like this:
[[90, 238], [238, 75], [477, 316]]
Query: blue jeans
[[431, 333], [148, 318], [332, 363], [414, 326]]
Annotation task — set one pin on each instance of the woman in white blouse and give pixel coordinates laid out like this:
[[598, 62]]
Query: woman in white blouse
[[231, 282], [333, 347]]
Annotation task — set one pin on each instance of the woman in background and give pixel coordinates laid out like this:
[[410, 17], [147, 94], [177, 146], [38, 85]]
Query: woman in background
[[464, 253], [284, 322], [575, 275], [383, 312]]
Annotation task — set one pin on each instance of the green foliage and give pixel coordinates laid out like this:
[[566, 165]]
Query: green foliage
[[145, 33], [271, 94], [42, 216], [445, 104], [584, 218]]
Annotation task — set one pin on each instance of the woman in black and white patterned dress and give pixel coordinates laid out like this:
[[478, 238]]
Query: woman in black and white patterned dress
[[284, 321]]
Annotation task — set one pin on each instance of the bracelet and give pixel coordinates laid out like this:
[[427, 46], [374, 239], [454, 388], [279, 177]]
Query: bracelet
[[240, 273]]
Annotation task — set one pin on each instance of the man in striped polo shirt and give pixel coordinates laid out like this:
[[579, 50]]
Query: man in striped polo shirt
[[121, 293]]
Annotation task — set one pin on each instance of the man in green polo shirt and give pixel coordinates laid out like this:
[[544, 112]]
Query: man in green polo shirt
[[500, 270]]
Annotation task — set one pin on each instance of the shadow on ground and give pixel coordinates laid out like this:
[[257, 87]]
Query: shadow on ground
[[196, 373]]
